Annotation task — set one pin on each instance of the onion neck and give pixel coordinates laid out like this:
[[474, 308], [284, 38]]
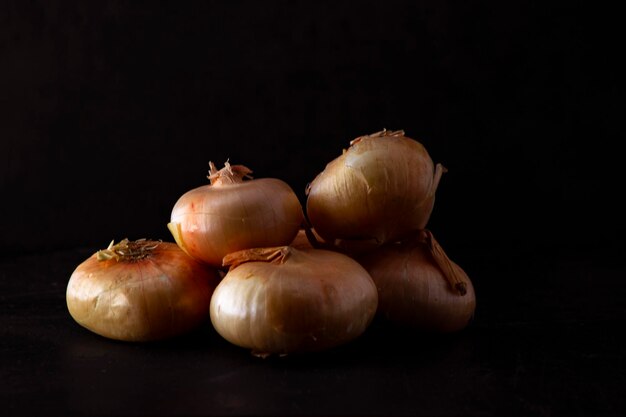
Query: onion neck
[[276, 255], [127, 251], [380, 134], [451, 272], [230, 174]]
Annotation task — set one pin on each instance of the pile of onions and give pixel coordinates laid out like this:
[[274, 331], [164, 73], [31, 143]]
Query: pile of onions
[[231, 214], [380, 190], [282, 293], [140, 291], [283, 300], [419, 286]]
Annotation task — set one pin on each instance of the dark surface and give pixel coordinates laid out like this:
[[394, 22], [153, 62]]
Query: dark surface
[[109, 111], [544, 350]]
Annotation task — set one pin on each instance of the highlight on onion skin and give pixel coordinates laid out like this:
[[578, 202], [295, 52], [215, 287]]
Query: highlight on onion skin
[[380, 190], [420, 287], [231, 214], [140, 291], [284, 300]]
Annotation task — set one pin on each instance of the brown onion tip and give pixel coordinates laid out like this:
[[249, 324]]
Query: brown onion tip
[[230, 174], [276, 255]]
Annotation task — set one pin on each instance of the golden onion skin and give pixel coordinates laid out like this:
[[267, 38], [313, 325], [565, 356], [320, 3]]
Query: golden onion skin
[[413, 292], [380, 189], [165, 294], [314, 300], [211, 221]]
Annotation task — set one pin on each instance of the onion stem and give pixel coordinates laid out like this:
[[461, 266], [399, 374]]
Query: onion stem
[[380, 134], [230, 174], [275, 255], [127, 251], [455, 280]]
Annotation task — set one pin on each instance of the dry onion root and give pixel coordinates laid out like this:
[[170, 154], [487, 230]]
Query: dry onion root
[[380, 190], [284, 300], [231, 214], [419, 286], [140, 291]]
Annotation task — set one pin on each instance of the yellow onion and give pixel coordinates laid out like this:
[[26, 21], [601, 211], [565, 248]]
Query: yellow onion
[[381, 189], [419, 286], [140, 291], [283, 300], [231, 214]]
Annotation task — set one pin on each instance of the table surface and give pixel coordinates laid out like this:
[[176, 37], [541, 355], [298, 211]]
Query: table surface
[[550, 348]]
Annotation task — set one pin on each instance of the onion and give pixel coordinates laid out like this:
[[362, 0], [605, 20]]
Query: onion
[[419, 286], [140, 291], [284, 300], [380, 190], [308, 239], [230, 214], [301, 241]]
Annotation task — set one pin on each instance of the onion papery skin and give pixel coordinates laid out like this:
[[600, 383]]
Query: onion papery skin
[[164, 294], [381, 189], [413, 292], [211, 221], [313, 300]]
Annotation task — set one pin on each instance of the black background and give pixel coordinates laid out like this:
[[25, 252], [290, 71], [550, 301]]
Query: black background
[[109, 111]]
